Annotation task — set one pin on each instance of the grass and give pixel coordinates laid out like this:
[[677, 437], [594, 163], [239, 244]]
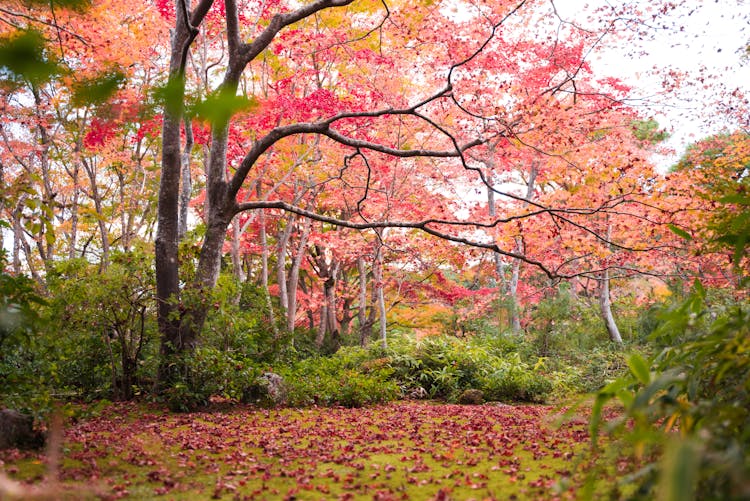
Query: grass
[[398, 451]]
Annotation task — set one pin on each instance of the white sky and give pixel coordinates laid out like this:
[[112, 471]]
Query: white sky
[[710, 34]]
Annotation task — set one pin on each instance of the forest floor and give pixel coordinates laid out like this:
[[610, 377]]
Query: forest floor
[[404, 450]]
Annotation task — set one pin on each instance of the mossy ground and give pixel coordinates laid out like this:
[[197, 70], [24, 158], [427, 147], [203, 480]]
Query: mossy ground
[[396, 451]]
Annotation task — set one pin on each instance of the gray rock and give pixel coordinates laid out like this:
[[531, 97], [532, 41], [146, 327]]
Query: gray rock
[[268, 390], [17, 431], [417, 393], [471, 397]]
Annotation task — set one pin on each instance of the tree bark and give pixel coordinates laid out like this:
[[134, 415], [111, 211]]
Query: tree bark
[[328, 272], [48, 196], [98, 207], [377, 272], [605, 304], [264, 271], [187, 184], [236, 260], [18, 234], [365, 328], [291, 288], [282, 240], [515, 313], [167, 231]]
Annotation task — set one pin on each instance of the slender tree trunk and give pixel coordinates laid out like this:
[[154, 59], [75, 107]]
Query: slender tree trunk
[[291, 289], [378, 277], [503, 287], [236, 260], [264, 271], [48, 196], [346, 316], [382, 315], [282, 240], [73, 239], [101, 220], [606, 309], [187, 184], [515, 313], [605, 304], [321, 334], [365, 328], [167, 230], [18, 234]]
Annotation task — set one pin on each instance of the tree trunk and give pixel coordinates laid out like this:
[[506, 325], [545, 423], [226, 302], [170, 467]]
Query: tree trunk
[[187, 184], [167, 230], [328, 272], [291, 288], [377, 272], [515, 313], [236, 260], [606, 309], [365, 328], [382, 315], [48, 196], [264, 272], [73, 237], [321, 334], [282, 240], [605, 304], [18, 234], [346, 317]]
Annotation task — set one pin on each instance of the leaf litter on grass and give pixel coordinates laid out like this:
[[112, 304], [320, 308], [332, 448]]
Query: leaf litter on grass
[[405, 450]]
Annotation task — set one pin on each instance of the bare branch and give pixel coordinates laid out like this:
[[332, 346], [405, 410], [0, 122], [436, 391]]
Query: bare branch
[[53, 24], [250, 51], [417, 225]]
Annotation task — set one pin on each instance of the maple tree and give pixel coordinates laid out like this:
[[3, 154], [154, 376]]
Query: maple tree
[[76, 149], [714, 222], [362, 120], [286, 127]]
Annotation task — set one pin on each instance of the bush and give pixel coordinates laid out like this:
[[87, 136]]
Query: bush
[[699, 384], [342, 379], [241, 323], [445, 367], [108, 325], [211, 372], [564, 324], [24, 370]]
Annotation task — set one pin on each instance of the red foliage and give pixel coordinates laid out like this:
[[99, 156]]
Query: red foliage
[[100, 131], [358, 452]]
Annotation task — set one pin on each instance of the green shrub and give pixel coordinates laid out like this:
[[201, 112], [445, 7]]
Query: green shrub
[[102, 325], [24, 370], [241, 323], [446, 366], [512, 379], [699, 385], [211, 372], [342, 379], [563, 324]]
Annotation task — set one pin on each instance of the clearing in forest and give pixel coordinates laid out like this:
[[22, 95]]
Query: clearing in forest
[[407, 450]]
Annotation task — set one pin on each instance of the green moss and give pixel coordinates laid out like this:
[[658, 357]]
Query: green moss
[[413, 450]]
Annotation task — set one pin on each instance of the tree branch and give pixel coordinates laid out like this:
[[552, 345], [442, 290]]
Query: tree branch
[[417, 225]]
